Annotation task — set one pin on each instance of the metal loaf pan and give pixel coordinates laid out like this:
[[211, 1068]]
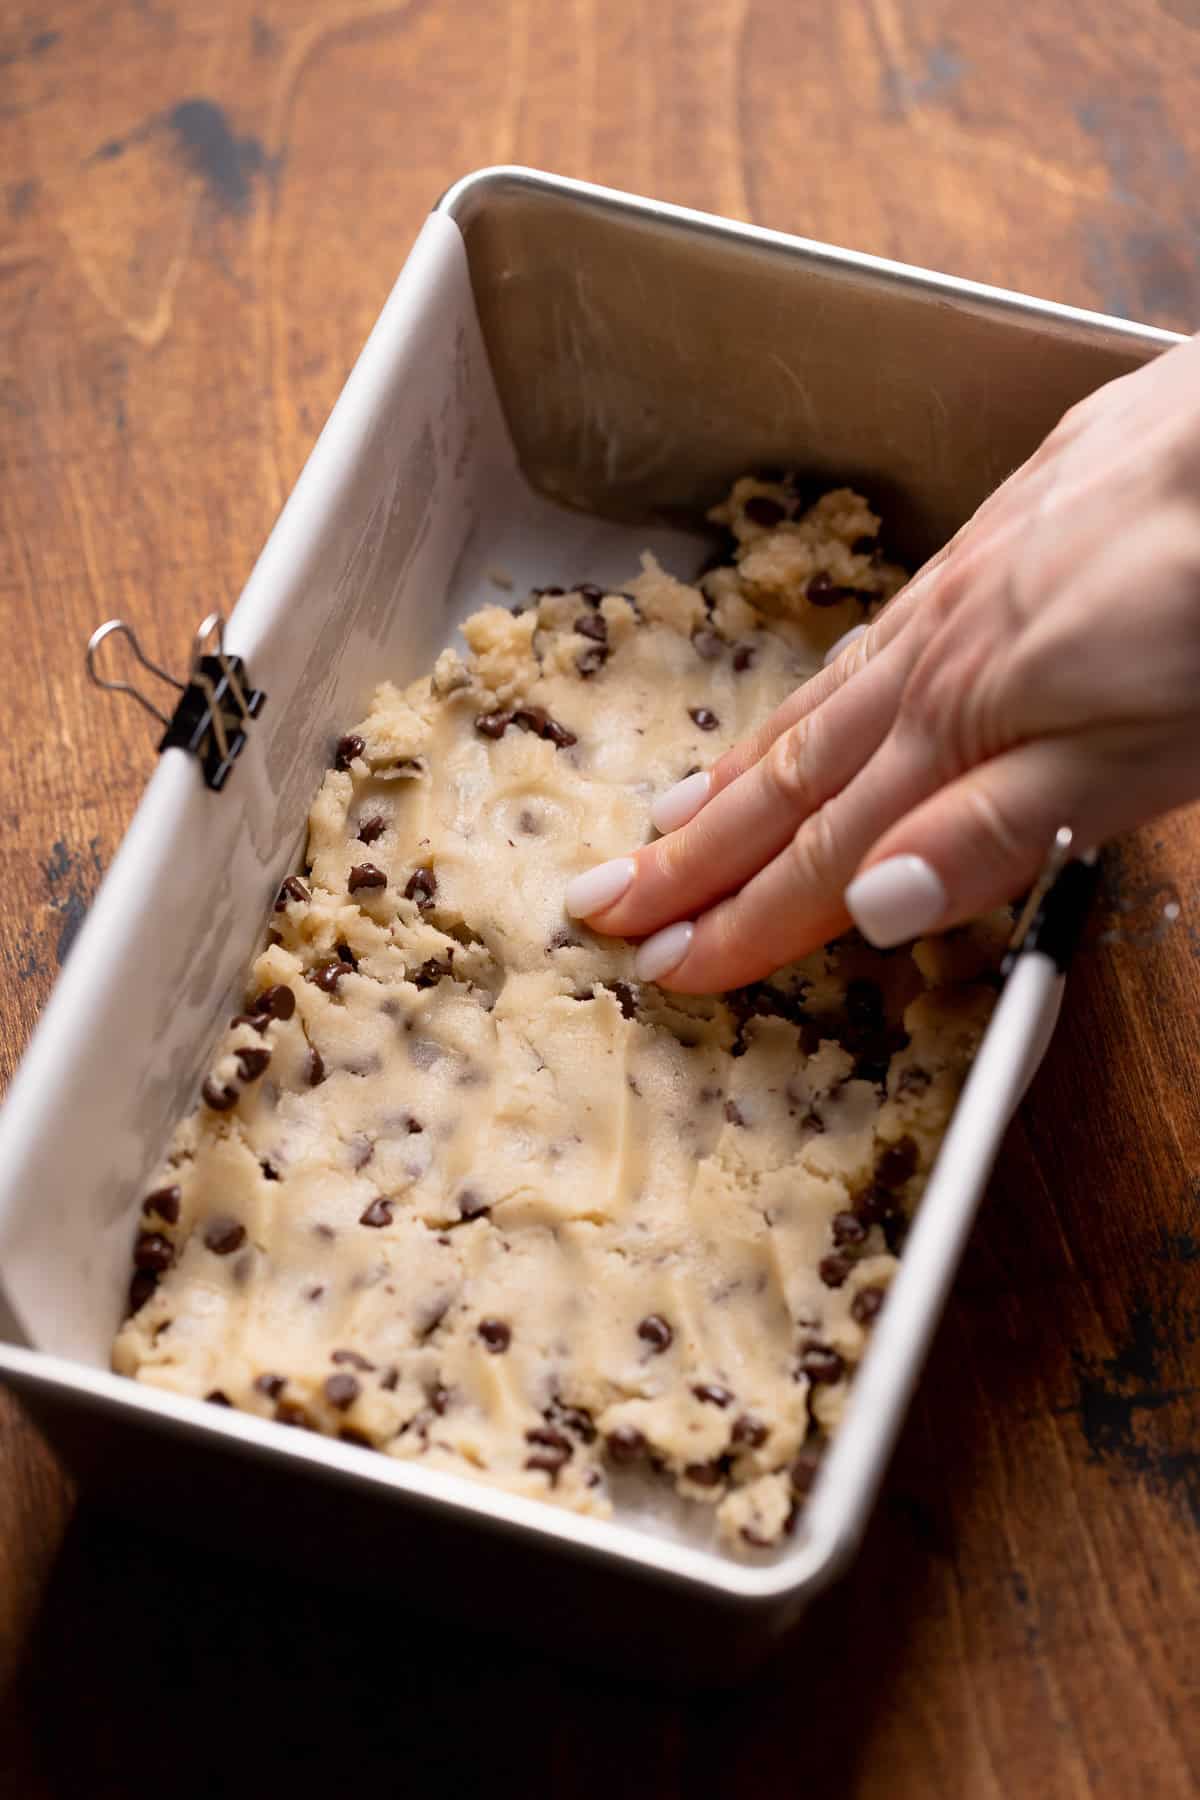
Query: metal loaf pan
[[561, 376]]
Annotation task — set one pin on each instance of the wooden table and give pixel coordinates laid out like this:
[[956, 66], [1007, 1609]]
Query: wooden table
[[204, 207]]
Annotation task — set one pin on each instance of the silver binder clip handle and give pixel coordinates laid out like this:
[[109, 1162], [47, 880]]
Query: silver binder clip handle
[[109, 629]]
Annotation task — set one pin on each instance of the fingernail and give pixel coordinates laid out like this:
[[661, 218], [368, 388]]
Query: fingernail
[[847, 637], [663, 952], [597, 888], [681, 802], [896, 900]]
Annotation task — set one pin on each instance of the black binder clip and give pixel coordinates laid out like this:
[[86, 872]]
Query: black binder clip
[[216, 703]]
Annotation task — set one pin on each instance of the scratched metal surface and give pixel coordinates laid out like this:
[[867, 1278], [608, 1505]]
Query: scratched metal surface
[[203, 209]]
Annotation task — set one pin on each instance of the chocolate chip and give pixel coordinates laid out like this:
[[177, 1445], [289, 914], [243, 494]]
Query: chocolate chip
[[346, 955], [703, 717], [292, 889], [218, 1097], [366, 875], [277, 1002], [897, 1163], [141, 1288], [743, 657], [864, 546], [550, 592], [288, 1412], [847, 1229], [348, 748], [762, 510], [812, 1121], [821, 1362], [834, 1268], [495, 1334], [270, 1385], [750, 1431], [866, 1305], [372, 828], [269, 1171], [655, 1331], [378, 1213], [580, 1422], [823, 591], [472, 1205], [313, 1294], [342, 1391], [876, 1206], [733, 1113], [712, 1393], [529, 823], [589, 663], [326, 974], [165, 1202], [707, 643], [551, 1439], [538, 720], [223, 1235], [803, 1471], [439, 1398], [217, 1398], [703, 1474], [625, 1444], [493, 724], [314, 1067], [252, 1062], [421, 887], [590, 592], [592, 625], [348, 1434], [625, 998], [153, 1251], [431, 972]]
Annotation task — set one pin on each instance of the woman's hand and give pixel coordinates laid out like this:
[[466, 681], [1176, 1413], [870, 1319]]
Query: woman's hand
[[1042, 670]]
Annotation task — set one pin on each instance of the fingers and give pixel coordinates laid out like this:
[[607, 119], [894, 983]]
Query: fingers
[[751, 820]]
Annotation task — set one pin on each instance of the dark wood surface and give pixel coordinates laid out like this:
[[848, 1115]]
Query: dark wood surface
[[203, 207]]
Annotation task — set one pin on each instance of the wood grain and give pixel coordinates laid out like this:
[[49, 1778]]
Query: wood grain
[[203, 208]]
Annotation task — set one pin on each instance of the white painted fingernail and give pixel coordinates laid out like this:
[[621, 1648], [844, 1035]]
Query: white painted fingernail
[[681, 802], [663, 952], [847, 637], [896, 900], [597, 888]]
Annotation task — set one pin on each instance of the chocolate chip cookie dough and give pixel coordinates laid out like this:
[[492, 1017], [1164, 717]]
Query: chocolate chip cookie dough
[[457, 1188]]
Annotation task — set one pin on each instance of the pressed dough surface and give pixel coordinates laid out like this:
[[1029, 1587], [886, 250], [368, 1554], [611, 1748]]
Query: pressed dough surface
[[459, 1189]]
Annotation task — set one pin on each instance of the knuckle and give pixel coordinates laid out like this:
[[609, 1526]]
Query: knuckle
[[812, 854], [787, 769]]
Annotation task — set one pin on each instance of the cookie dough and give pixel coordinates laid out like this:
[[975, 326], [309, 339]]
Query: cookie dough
[[457, 1188]]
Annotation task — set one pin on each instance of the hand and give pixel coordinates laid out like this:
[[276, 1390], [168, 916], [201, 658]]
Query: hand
[[1042, 670]]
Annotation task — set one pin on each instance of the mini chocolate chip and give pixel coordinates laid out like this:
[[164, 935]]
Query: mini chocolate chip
[[421, 887], [549, 1461], [558, 735], [625, 998], [165, 1202], [712, 1393], [270, 1385], [592, 625], [346, 955], [218, 1097], [588, 663], [703, 1474], [143, 1285], [834, 1268], [897, 1163], [822, 590], [472, 1205], [348, 748], [252, 1062], [707, 643], [314, 1067], [655, 1331], [223, 1235], [365, 875], [378, 1213], [580, 1422], [764, 511], [348, 1434], [703, 717], [276, 1002], [821, 1362], [529, 823], [372, 828], [269, 1171], [847, 1229], [431, 972], [342, 1391], [733, 1113], [313, 1294], [743, 657], [495, 1334], [326, 974], [292, 889], [803, 1471], [153, 1251], [750, 1431], [439, 1398], [866, 1304], [590, 592], [550, 1439], [550, 592], [493, 724], [217, 1398], [876, 1206], [625, 1444], [289, 1412]]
